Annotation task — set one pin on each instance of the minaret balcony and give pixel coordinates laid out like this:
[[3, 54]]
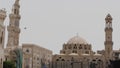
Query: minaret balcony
[[108, 29], [108, 42]]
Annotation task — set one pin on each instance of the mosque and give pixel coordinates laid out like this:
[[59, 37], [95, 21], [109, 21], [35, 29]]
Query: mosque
[[77, 52]]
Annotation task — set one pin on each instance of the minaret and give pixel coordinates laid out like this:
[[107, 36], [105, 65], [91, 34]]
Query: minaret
[[2, 27], [13, 28], [2, 35], [108, 36]]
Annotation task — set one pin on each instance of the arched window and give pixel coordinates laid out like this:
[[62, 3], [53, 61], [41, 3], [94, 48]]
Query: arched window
[[74, 51], [27, 50], [85, 47], [94, 60], [65, 47], [69, 47], [75, 47], [1, 38], [5, 58], [89, 48], [99, 60], [86, 52], [1, 60], [57, 59], [63, 60], [15, 11], [80, 47], [63, 52], [37, 58]]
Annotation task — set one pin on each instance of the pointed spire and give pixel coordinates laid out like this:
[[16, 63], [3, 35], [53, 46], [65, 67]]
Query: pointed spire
[[17, 2], [108, 16], [16, 6]]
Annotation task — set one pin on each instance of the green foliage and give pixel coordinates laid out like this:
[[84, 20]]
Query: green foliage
[[8, 64]]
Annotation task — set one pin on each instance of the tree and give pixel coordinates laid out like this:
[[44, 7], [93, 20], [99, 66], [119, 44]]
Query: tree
[[8, 64], [115, 64]]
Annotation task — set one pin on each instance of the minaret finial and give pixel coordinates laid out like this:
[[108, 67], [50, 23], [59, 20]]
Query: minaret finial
[[17, 2], [16, 6], [108, 18]]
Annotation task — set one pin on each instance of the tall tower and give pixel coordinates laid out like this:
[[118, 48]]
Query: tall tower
[[2, 35], [13, 28], [108, 36]]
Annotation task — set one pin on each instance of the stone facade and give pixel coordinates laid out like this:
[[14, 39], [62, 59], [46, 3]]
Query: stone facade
[[13, 28], [35, 56], [78, 53], [13, 32], [15, 53]]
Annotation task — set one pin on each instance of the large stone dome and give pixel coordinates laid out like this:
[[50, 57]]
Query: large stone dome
[[77, 40]]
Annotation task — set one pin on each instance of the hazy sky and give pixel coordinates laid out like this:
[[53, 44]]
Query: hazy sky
[[51, 23]]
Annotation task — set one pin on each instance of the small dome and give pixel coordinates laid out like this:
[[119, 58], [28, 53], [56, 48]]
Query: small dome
[[77, 40]]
